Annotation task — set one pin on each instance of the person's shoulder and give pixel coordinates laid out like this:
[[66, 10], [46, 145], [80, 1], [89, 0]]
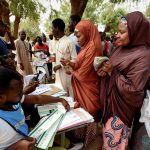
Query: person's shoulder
[[17, 41], [45, 44], [1, 40], [26, 42], [141, 51], [2, 122], [8, 135], [36, 45], [68, 40], [3, 126]]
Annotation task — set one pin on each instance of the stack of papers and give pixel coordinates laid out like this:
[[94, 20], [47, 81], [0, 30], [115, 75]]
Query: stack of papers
[[42, 88], [56, 119], [54, 89], [46, 129], [60, 93], [75, 118], [44, 110]]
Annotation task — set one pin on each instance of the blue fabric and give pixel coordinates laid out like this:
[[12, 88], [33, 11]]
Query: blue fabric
[[16, 119], [3, 48], [78, 49]]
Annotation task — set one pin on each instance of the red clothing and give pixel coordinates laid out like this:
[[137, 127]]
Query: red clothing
[[85, 81], [44, 47]]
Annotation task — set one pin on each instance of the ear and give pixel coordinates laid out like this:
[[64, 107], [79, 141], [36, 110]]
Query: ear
[[74, 23], [2, 98]]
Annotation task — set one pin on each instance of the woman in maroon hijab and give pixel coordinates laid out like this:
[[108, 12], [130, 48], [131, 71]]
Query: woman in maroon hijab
[[124, 78]]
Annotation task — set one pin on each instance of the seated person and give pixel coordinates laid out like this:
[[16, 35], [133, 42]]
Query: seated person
[[14, 130], [40, 46]]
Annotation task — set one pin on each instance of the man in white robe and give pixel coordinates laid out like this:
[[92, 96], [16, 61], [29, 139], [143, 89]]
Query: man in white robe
[[22, 54], [62, 47]]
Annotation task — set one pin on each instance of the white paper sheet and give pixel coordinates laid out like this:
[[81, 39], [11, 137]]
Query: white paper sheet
[[45, 125], [74, 118], [42, 88]]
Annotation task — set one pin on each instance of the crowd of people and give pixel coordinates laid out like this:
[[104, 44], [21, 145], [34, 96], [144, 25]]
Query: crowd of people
[[113, 95]]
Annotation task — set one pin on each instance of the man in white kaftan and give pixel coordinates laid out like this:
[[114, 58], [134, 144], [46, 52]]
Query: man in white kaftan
[[22, 54], [63, 47]]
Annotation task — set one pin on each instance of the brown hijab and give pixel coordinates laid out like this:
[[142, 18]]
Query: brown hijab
[[122, 93], [90, 32], [138, 29], [85, 81]]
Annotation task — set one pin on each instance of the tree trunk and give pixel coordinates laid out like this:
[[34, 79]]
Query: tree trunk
[[2, 6], [78, 7], [5, 14], [16, 26], [1, 10]]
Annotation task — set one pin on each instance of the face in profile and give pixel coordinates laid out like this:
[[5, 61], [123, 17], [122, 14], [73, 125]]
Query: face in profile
[[71, 25], [81, 38], [14, 93], [54, 31], [122, 37]]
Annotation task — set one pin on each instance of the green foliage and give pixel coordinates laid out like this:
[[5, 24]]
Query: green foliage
[[92, 10], [117, 1], [26, 8], [147, 13], [31, 27], [120, 1], [110, 16], [63, 13]]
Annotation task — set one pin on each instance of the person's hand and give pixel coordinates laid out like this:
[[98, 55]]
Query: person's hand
[[21, 66], [51, 59], [77, 105], [63, 61], [57, 68], [24, 144], [30, 87], [65, 104], [105, 69], [68, 70]]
